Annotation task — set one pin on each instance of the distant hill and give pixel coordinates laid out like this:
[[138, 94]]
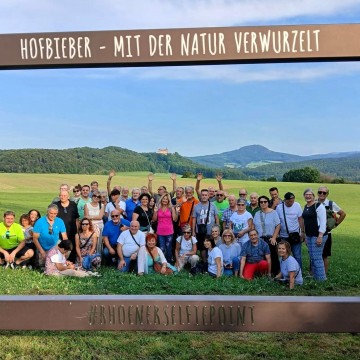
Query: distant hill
[[87, 160], [345, 167], [256, 155]]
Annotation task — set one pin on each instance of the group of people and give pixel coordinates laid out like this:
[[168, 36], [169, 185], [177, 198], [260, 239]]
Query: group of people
[[146, 232]]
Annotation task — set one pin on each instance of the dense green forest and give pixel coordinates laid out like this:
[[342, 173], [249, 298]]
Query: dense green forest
[[100, 161], [87, 160]]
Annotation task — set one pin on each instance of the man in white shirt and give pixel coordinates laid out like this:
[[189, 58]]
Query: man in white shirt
[[292, 211], [129, 243], [323, 193]]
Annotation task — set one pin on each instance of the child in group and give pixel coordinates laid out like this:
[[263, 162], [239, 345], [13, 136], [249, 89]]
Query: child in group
[[25, 223], [56, 263], [28, 230]]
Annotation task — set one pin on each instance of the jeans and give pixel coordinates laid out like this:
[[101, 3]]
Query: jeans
[[235, 267], [315, 254], [165, 244], [129, 265], [296, 251], [108, 258]]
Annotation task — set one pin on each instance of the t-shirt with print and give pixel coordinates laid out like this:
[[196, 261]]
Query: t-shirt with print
[[200, 213], [186, 245]]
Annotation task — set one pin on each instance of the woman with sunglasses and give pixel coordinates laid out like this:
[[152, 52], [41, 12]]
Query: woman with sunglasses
[[267, 224], [85, 243], [186, 249], [241, 222], [95, 212], [76, 193], [231, 253]]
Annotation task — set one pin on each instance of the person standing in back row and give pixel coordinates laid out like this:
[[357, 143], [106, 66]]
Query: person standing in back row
[[323, 193], [205, 216]]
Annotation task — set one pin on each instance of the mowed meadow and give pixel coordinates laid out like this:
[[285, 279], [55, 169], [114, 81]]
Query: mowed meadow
[[21, 192]]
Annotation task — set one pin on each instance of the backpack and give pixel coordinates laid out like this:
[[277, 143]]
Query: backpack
[[330, 216]]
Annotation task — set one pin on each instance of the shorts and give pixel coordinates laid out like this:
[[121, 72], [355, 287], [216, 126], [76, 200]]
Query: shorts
[[18, 255], [327, 246]]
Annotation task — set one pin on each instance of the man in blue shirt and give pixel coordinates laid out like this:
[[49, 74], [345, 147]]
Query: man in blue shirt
[[111, 233], [255, 257], [132, 203], [47, 231]]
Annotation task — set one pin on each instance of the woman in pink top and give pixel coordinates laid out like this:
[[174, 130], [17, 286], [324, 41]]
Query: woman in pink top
[[165, 214]]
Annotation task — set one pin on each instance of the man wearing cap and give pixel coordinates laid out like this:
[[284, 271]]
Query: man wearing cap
[[290, 214], [115, 203], [323, 193]]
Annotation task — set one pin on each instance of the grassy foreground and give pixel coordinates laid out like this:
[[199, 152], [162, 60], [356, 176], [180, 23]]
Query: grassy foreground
[[20, 192]]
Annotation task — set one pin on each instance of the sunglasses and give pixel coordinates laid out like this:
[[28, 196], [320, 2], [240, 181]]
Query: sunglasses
[[50, 230], [115, 216], [220, 195], [263, 202], [85, 224], [96, 196], [226, 235], [242, 194], [240, 204], [187, 232], [7, 234], [76, 191], [322, 192]]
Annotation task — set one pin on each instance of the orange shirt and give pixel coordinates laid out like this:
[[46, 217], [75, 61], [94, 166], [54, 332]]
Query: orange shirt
[[185, 211]]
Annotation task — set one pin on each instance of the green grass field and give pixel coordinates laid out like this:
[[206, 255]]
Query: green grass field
[[20, 192]]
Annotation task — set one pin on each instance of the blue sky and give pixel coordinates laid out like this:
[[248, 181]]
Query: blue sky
[[295, 108]]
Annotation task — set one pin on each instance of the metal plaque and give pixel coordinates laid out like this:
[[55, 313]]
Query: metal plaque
[[178, 313]]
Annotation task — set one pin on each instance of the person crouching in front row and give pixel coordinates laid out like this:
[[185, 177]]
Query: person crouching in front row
[[290, 270], [56, 263], [255, 257]]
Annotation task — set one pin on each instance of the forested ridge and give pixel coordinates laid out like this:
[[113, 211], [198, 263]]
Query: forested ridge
[[87, 160]]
